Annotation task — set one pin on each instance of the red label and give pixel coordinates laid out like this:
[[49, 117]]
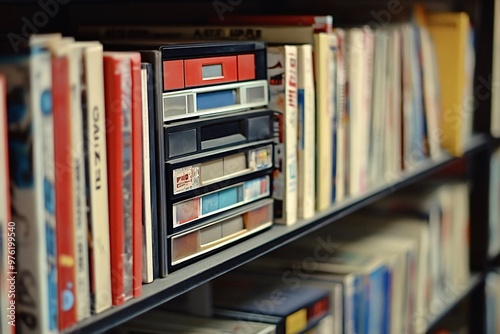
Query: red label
[[210, 71]]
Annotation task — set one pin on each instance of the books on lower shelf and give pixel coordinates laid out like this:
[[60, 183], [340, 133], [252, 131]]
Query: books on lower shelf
[[397, 263]]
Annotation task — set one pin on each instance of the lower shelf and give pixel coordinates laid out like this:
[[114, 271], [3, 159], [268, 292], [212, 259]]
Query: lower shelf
[[185, 279]]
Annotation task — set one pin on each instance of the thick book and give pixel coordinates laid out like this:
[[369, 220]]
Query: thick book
[[360, 44], [325, 49], [282, 77], [118, 105], [453, 39], [29, 115], [96, 176]]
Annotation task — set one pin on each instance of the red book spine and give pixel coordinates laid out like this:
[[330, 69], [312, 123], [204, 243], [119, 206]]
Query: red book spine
[[137, 169], [114, 146], [64, 192]]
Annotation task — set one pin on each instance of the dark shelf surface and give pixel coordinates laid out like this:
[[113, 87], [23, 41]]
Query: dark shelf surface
[[455, 296], [185, 279]]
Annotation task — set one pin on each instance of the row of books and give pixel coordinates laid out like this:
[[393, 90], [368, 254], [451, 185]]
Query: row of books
[[116, 181], [71, 181], [244, 305], [372, 104], [390, 269]]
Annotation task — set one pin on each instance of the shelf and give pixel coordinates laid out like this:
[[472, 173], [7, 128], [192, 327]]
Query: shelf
[[185, 279], [456, 296]]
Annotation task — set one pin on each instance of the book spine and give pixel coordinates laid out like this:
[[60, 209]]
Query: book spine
[[356, 115], [79, 200], [147, 220], [324, 116], [332, 78], [137, 172], [97, 179], [127, 170], [35, 205], [64, 193], [160, 249], [306, 133], [116, 183], [283, 99]]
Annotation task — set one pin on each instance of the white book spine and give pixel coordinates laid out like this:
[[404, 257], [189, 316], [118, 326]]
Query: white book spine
[[147, 244], [282, 74], [342, 120], [356, 114], [306, 132], [97, 182], [79, 198], [366, 102], [324, 119], [393, 138]]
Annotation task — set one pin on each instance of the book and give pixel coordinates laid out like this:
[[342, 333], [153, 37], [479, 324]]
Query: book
[[282, 77], [137, 171], [321, 23], [96, 176], [245, 296], [118, 106], [342, 121], [75, 72], [325, 48], [452, 36], [29, 117], [359, 67], [160, 321], [306, 133], [376, 175], [147, 151], [157, 167], [66, 270]]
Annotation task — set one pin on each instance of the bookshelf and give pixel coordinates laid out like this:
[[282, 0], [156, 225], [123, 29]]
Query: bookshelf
[[184, 280]]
